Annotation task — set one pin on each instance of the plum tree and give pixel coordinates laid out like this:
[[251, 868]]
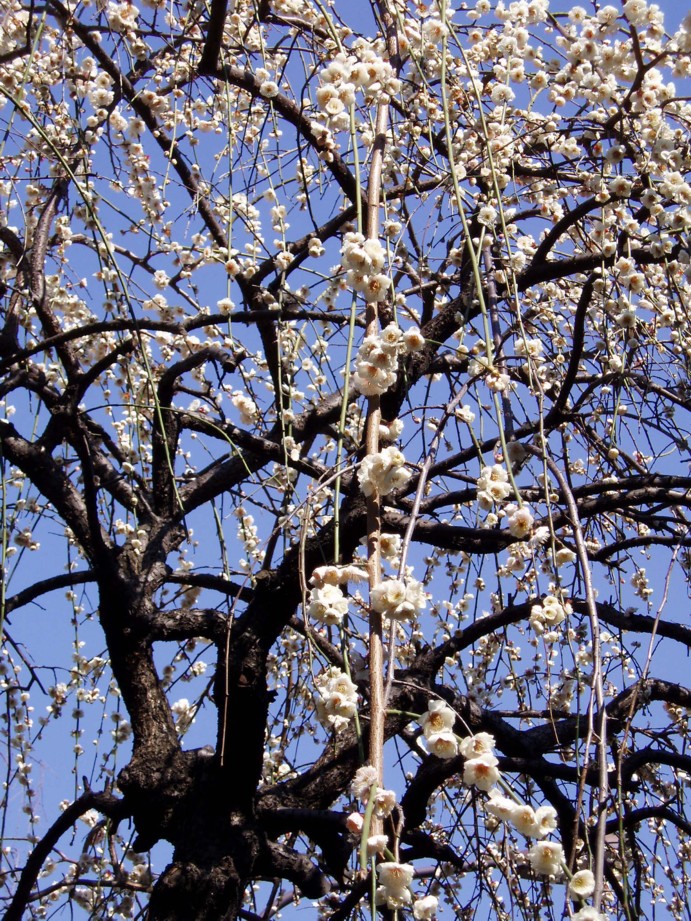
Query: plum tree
[[344, 433]]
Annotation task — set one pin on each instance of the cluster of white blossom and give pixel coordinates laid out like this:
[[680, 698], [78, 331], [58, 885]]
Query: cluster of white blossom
[[248, 535], [394, 881], [493, 486], [533, 823], [337, 698], [327, 604], [437, 728], [383, 472], [122, 17], [531, 349], [25, 539], [546, 857], [363, 261], [245, 405], [547, 615], [480, 769], [143, 185], [362, 784], [399, 599], [394, 877], [641, 583], [362, 70], [376, 363], [482, 368]]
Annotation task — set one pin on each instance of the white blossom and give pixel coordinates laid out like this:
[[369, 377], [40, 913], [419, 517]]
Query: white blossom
[[337, 698], [521, 522], [480, 744], [269, 89], [327, 604], [589, 914], [546, 858], [383, 472], [355, 823], [425, 909], [384, 803], [398, 599], [394, 879], [582, 884], [549, 614], [438, 717], [377, 844], [363, 781], [413, 340], [481, 772], [443, 744]]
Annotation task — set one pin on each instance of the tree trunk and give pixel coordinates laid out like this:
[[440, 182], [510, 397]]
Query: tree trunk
[[188, 891]]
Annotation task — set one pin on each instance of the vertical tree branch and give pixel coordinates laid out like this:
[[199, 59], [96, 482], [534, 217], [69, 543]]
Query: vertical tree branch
[[376, 629]]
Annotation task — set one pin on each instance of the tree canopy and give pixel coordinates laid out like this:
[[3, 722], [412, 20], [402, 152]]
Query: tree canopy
[[344, 442]]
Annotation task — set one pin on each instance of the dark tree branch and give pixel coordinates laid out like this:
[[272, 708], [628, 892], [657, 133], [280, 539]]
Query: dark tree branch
[[52, 584], [208, 63], [52, 481], [636, 816]]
